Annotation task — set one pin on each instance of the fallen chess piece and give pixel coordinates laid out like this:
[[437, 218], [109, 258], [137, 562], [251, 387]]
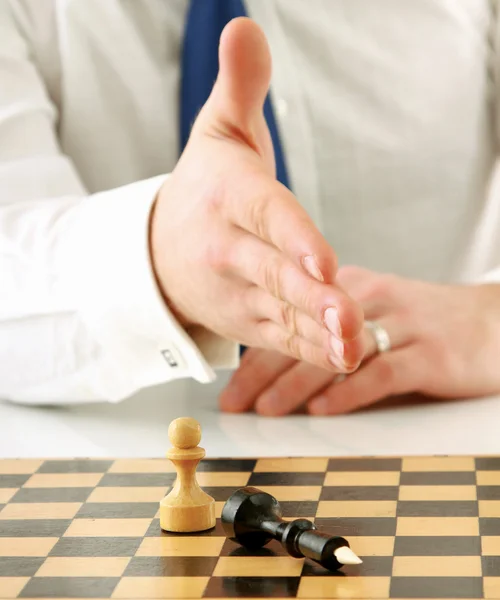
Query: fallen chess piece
[[187, 508], [253, 518]]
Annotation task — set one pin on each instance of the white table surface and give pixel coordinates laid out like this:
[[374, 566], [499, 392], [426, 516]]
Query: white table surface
[[137, 427]]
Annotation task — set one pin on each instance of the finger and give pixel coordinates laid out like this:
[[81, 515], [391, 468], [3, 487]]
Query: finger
[[376, 292], [237, 99], [292, 389], [258, 370], [263, 265], [341, 360], [296, 323], [273, 214], [262, 305], [353, 276], [385, 375], [398, 329]]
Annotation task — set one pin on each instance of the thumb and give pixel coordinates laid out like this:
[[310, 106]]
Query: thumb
[[235, 106]]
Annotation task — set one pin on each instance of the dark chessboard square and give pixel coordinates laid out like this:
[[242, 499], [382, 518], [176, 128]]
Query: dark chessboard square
[[96, 546], [490, 566], [13, 481], [488, 492], [372, 566], [436, 587], [155, 530], [252, 587], [34, 527], [171, 566], [488, 463], [228, 465], [437, 546], [118, 510], [437, 508], [364, 526], [294, 508], [364, 464], [75, 466], [489, 526], [137, 479], [69, 587], [41, 495], [219, 493], [438, 478], [273, 548], [359, 492], [19, 566], [257, 479]]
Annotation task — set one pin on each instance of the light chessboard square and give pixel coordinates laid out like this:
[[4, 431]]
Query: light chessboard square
[[181, 546], [436, 566], [438, 463], [6, 494], [83, 566], [362, 478], [160, 587], [19, 466], [108, 528], [26, 546], [63, 480], [291, 465], [358, 508], [258, 566], [437, 492], [42, 510], [434, 526], [129, 494], [344, 587]]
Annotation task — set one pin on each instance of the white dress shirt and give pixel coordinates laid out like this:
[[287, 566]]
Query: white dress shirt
[[388, 112]]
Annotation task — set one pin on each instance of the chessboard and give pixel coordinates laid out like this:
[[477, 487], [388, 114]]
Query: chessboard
[[425, 527]]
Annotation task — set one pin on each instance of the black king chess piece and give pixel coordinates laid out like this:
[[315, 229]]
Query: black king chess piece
[[253, 518]]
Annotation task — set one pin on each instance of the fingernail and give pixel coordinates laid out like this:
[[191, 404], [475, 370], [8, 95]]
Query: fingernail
[[332, 321], [319, 406], [337, 362], [338, 348], [311, 266]]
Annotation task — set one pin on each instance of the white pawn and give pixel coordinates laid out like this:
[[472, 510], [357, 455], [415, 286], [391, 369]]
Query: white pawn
[[187, 507]]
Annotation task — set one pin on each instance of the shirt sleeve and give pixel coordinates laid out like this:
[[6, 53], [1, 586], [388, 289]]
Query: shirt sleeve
[[81, 316]]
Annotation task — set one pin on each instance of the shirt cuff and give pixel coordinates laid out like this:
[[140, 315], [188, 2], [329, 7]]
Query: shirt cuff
[[107, 260], [491, 276]]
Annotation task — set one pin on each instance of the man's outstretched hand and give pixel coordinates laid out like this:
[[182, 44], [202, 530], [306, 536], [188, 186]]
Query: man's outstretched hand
[[233, 250], [445, 342]]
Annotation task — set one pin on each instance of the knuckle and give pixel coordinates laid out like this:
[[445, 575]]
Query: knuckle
[[257, 215], [216, 257], [214, 202], [288, 316], [382, 287], [271, 276], [386, 373], [348, 274], [292, 346]]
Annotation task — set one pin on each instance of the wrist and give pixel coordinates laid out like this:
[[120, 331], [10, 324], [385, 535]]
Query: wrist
[[155, 255]]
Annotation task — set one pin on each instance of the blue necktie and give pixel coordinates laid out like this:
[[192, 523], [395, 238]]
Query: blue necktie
[[205, 21]]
